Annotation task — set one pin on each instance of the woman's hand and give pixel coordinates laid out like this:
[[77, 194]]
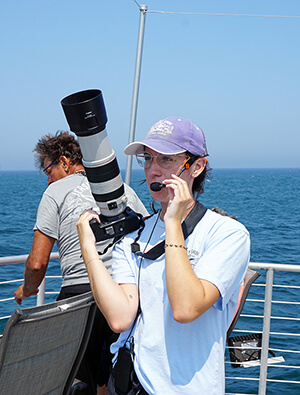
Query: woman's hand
[[179, 198], [85, 233]]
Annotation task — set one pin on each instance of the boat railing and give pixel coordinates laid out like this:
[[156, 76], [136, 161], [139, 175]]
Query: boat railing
[[279, 329], [10, 260], [268, 298]]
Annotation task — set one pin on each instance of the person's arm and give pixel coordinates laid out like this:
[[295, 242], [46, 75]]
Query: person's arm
[[35, 266], [189, 296], [118, 303]]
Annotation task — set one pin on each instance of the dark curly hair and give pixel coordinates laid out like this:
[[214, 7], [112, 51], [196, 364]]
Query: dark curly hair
[[52, 147]]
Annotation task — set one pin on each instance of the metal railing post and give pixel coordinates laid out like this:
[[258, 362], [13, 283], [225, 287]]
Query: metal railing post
[[143, 9], [40, 298], [266, 333]]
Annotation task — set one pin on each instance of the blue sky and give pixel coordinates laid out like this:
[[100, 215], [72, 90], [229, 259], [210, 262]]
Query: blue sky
[[236, 77]]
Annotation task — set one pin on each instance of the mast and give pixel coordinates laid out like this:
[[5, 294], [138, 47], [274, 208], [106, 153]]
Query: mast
[[143, 9]]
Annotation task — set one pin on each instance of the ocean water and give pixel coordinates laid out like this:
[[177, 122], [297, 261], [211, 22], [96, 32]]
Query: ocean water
[[266, 201]]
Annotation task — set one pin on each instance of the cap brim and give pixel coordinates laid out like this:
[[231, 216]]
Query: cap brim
[[163, 147]]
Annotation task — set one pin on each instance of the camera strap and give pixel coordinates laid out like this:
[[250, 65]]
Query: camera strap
[[188, 225], [119, 237]]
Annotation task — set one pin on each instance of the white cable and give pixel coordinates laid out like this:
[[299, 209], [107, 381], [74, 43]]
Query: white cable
[[222, 14]]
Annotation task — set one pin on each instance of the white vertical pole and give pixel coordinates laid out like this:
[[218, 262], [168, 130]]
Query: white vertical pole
[[266, 333], [143, 9], [40, 299]]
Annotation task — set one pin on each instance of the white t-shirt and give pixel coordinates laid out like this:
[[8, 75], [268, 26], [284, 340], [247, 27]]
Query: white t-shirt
[[174, 358]]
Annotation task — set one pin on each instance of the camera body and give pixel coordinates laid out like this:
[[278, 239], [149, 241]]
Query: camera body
[[112, 227], [86, 115]]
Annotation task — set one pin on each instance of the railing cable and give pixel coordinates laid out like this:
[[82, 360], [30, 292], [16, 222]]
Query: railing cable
[[222, 14]]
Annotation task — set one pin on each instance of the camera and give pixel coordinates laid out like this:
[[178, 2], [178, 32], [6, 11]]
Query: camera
[[86, 115]]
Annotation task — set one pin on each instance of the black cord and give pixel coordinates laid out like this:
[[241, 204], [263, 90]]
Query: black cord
[[129, 337]]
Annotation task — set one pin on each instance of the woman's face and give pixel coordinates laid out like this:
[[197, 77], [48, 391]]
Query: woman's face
[[157, 169]]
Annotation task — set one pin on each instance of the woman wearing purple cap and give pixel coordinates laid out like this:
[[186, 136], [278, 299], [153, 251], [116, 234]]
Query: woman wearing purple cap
[[175, 285]]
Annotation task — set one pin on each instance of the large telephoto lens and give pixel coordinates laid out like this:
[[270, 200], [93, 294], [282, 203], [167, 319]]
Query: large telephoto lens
[[86, 116]]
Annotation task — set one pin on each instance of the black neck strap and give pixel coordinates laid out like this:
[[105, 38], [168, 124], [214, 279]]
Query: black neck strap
[[188, 226]]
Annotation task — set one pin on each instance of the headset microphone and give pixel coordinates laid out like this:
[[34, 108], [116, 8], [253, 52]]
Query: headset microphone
[[157, 186]]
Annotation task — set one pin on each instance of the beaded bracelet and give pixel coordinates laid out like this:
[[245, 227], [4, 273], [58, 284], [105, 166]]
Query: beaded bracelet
[[175, 245]]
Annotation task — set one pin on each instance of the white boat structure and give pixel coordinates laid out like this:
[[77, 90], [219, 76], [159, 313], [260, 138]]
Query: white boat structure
[[266, 294]]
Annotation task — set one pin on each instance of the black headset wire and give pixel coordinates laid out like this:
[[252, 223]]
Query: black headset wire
[[129, 337]]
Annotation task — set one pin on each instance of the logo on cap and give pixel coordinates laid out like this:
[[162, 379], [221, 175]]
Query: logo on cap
[[162, 127]]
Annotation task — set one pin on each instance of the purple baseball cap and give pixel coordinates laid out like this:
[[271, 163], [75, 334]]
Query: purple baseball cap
[[171, 136]]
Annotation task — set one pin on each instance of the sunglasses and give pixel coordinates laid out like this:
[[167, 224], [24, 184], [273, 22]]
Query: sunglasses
[[51, 164]]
